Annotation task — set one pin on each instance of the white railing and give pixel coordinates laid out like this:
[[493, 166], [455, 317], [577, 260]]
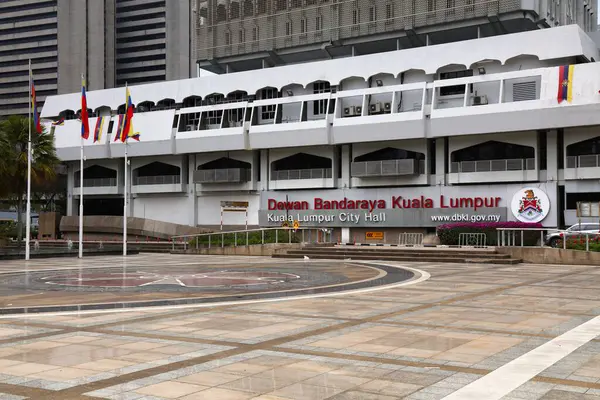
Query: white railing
[[410, 239], [585, 161], [361, 169], [156, 180], [493, 165], [293, 174], [222, 175]]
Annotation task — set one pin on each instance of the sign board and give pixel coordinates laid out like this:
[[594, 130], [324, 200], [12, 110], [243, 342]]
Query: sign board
[[235, 204], [530, 205], [374, 235]]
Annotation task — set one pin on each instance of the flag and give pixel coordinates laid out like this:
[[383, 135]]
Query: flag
[[565, 83], [60, 122], [128, 131], [36, 117], [98, 129], [119, 128], [85, 123]]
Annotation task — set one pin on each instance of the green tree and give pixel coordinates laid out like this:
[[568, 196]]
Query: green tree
[[14, 133]]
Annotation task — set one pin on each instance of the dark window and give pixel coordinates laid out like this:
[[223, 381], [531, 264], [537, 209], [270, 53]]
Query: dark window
[[456, 89], [224, 163], [390, 153], [158, 169], [320, 106], [280, 5], [268, 111], [234, 10], [493, 150], [248, 8], [301, 161], [221, 13], [587, 147]]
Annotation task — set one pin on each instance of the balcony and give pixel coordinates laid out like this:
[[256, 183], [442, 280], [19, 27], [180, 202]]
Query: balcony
[[492, 165], [97, 186], [302, 179], [314, 173], [366, 169], [583, 167], [586, 161], [509, 170], [228, 175], [157, 184], [96, 182]]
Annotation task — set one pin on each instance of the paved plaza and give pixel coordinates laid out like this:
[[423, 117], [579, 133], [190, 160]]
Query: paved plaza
[[434, 331]]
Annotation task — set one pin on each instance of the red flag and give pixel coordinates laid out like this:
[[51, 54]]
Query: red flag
[[85, 122]]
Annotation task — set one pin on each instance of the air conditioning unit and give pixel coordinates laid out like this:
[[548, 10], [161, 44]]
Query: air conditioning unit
[[375, 108], [358, 110], [351, 111], [189, 128], [387, 107], [479, 100]]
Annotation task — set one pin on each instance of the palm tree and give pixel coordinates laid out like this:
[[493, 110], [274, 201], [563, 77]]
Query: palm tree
[[14, 133]]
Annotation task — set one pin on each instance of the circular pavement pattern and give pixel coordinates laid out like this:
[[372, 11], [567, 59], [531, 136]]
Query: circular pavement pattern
[[140, 278], [138, 286]]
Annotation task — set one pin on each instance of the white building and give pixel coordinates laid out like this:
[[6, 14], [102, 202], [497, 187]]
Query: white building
[[450, 132]]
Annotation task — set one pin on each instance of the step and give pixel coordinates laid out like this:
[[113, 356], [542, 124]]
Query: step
[[471, 254], [392, 258]]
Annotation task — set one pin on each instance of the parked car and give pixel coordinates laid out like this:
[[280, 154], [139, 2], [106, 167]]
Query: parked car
[[552, 239]]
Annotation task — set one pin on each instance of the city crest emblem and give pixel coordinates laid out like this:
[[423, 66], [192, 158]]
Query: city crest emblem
[[530, 206]]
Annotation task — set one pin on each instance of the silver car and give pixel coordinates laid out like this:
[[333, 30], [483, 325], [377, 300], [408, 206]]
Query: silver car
[[553, 238]]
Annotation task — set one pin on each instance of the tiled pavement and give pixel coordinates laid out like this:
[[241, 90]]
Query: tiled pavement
[[418, 342]]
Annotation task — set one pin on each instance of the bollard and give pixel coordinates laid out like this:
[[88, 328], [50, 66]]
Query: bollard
[[587, 242]]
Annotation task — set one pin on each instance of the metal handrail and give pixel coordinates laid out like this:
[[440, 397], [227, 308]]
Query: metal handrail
[[185, 238], [156, 180], [308, 173], [583, 161], [96, 182], [512, 164]]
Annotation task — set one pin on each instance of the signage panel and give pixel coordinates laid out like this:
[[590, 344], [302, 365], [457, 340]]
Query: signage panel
[[401, 207], [374, 235]]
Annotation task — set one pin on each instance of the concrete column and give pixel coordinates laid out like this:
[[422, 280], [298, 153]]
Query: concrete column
[[179, 31], [440, 161], [264, 170], [345, 181], [345, 235], [551, 155], [70, 186], [192, 194]]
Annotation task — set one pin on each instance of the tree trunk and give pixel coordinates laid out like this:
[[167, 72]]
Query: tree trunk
[[19, 220]]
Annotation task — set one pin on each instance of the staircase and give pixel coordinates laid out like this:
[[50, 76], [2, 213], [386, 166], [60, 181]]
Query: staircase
[[401, 254]]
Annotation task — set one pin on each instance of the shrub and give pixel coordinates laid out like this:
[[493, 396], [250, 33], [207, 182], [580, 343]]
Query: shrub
[[449, 233], [578, 243], [229, 239]]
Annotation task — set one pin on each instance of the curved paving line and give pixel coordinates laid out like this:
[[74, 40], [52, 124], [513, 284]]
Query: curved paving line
[[393, 275]]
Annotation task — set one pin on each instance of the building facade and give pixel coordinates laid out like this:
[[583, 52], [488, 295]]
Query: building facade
[[465, 131], [239, 35], [107, 40]]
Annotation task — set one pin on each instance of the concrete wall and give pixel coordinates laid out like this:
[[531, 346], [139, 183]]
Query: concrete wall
[[254, 250], [135, 227], [544, 255]]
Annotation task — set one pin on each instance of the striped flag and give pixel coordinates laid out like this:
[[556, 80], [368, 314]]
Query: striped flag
[[85, 122], [119, 128], [98, 129], [36, 117]]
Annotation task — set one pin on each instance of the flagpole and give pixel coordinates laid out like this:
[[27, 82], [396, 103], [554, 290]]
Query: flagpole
[[81, 190], [125, 198], [28, 214], [125, 206]]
